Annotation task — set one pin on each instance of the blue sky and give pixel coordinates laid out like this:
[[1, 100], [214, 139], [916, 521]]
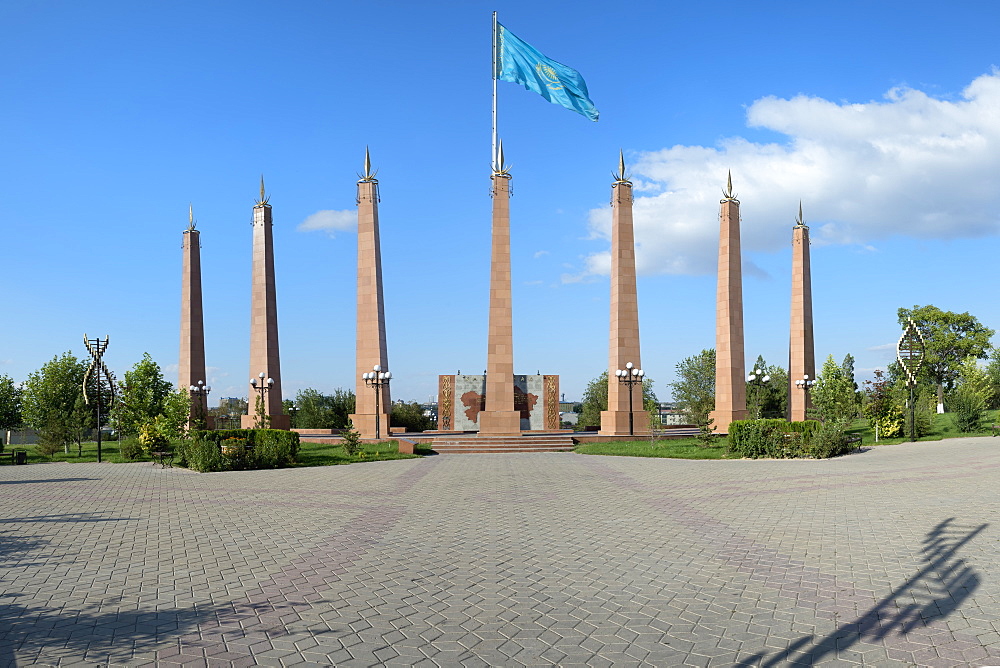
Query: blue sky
[[884, 118]]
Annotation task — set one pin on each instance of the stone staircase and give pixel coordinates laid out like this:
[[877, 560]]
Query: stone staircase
[[467, 444]]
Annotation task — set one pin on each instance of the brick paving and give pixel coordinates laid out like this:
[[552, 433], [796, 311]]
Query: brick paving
[[887, 557]]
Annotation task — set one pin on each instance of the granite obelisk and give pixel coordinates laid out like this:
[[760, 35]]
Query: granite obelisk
[[264, 356], [801, 353], [191, 363], [730, 376], [499, 416], [370, 346], [624, 326]]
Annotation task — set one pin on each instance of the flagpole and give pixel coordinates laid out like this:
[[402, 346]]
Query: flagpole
[[493, 158]]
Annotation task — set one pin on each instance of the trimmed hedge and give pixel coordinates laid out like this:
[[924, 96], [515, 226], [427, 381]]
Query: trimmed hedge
[[264, 449], [779, 439]]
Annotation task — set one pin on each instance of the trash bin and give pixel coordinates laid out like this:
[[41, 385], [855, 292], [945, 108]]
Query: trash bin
[[20, 456]]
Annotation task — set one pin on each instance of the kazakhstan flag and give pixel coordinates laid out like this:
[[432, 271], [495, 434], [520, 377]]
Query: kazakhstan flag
[[519, 62]]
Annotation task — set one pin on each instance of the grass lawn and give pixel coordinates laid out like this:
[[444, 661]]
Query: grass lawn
[[310, 454], [329, 454], [681, 448], [942, 427]]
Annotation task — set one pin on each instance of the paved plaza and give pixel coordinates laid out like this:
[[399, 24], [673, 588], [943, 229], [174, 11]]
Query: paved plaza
[[885, 557]]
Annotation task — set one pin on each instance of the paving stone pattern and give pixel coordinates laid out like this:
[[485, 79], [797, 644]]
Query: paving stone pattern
[[887, 557]]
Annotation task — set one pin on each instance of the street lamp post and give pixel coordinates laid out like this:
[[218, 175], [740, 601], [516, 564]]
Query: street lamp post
[[263, 386], [631, 377], [757, 380], [199, 393], [376, 378], [804, 384]]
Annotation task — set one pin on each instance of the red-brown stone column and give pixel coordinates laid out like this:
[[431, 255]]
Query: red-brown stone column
[[370, 347], [801, 354], [264, 321], [191, 363], [499, 417], [730, 376], [624, 329]]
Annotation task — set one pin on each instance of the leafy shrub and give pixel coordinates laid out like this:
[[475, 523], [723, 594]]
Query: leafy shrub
[[204, 455], [968, 410], [262, 448], [351, 441], [274, 448], [773, 438], [830, 440], [805, 427], [130, 449], [151, 439], [757, 438], [890, 423]]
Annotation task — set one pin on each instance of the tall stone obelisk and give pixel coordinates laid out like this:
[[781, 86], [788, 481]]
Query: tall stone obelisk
[[264, 357], [370, 347], [191, 363], [801, 353], [730, 366], [624, 329], [499, 416]]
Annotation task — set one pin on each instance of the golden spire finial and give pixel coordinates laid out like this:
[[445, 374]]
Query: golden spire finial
[[800, 221], [369, 175], [727, 192], [620, 176], [499, 167], [263, 201], [191, 224]]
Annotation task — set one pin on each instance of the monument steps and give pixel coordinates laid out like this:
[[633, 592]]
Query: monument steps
[[453, 445]]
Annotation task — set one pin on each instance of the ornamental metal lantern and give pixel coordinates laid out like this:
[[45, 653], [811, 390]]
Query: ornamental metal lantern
[[910, 353]]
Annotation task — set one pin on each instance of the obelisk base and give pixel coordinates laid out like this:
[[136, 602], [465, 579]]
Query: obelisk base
[[364, 424], [721, 419], [504, 423], [276, 422], [615, 423]]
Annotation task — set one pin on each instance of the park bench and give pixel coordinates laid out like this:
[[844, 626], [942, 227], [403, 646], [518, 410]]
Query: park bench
[[995, 428], [16, 455], [853, 439], [164, 457]]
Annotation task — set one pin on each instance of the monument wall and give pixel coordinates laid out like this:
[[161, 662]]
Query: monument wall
[[462, 397]]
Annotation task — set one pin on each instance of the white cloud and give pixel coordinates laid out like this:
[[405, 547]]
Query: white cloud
[[540, 253], [908, 165], [331, 221]]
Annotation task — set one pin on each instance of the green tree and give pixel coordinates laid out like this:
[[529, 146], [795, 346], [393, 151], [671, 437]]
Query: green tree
[[767, 399], [410, 416], [949, 339], [52, 401], [884, 412], [10, 404], [595, 400], [970, 397], [694, 389], [324, 411], [833, 395], [142, 396], [173, 419]]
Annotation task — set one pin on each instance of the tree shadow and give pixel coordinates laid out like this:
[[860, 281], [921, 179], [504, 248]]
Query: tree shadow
[[101, 633], [25, 482], [938, 589]]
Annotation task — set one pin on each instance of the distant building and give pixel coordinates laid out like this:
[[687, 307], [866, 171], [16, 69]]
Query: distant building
[[670, 415]]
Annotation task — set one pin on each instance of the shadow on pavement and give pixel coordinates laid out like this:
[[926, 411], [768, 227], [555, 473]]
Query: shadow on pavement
[[24, 482], [101, 633], [938, 589]]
